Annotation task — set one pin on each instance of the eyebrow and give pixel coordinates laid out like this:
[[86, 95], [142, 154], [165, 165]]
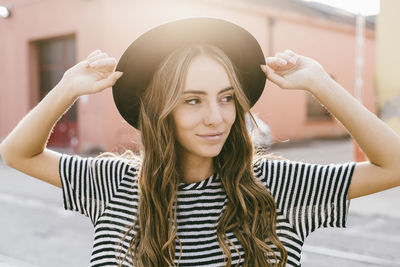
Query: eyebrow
[[204, 93]]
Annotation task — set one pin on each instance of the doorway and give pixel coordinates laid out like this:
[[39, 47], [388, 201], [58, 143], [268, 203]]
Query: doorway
[[55, 56]]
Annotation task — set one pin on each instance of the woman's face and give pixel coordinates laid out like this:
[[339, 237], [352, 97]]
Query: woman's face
[[206, 111]]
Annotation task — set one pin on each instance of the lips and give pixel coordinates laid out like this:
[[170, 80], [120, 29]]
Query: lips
[[211, 134], [212, 137]]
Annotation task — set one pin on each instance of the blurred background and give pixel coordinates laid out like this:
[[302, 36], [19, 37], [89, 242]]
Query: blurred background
[[355, 40], [42, 39]]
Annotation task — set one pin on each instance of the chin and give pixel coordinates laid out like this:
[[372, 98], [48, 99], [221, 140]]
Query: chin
[[212, 153]]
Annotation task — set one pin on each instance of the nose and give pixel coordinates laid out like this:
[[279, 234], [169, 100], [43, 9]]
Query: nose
[[213, 115]]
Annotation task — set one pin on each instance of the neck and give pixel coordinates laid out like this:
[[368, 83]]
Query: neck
[[195, 169]]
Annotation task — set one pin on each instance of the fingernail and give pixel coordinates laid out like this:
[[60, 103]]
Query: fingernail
[[93, 64], [119, 74], [263, 67]]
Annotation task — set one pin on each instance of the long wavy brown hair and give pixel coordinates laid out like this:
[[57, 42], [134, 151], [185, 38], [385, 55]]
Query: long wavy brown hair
[[251, 210]]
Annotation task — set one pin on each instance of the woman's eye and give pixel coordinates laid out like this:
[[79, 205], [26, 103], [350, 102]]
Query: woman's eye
[[227, 98], [193, 101]]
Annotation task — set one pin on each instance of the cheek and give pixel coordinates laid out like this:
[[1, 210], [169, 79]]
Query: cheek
[[230, 115], [185, 120]]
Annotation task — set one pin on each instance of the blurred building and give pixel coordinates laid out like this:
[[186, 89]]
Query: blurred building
[[43, 38], [388, 78]]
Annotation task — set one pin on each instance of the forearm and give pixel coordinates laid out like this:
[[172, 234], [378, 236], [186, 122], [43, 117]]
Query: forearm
[[380, 143], [30, 136]]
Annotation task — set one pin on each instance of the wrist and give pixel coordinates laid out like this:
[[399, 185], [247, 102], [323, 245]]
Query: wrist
[[319, 80], [62, 97], [67, 92]]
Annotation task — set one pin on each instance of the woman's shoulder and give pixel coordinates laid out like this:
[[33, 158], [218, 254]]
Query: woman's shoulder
[[264, 159], [107, 163], [261, 164], [128, 172], [129, 159], [269, 168]]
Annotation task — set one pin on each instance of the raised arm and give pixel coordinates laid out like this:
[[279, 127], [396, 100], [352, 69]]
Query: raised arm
[[25, 147], [379, 142]]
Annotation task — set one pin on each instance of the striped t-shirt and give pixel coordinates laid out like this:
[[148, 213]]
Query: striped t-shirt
[[307, 196]]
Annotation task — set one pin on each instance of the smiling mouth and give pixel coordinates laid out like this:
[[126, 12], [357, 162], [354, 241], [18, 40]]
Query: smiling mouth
[[215, 137], [211, 134]]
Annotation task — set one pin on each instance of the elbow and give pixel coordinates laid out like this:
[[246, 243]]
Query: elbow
[[398, 180], [396, 177], [396, 174], [6, 155]]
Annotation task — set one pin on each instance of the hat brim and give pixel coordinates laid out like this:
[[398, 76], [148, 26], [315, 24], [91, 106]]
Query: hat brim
[[144, 55]]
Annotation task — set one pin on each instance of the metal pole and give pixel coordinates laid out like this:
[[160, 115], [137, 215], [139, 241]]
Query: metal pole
[[358, 80], [360, 25]]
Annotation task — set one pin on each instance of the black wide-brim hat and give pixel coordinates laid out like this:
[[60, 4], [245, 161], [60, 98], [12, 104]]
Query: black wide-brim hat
[[144, 55]]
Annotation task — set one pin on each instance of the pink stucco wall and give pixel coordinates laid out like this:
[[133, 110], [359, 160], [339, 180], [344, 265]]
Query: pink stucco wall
[[113, 25], [334, 48]]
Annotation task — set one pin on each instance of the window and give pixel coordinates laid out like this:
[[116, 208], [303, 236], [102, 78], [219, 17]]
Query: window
[[315, 111], [55, 57]]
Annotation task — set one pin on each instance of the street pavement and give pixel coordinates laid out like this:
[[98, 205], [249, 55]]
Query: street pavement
[[36, 231]]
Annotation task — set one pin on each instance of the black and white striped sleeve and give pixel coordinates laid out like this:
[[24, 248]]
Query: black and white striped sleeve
[[88, 184], [309, 195]]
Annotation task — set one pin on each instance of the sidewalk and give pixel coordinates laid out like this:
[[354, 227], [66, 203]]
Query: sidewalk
[[36, 231]]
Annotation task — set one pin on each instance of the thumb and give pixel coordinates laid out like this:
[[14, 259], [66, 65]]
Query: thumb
[[275, 78], [109, 81]]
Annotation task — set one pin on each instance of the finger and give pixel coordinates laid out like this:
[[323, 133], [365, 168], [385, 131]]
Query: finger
[[95, 52], [286, 57], [97, 57], [104, 63], [107, 82], [292, 55], [290, 52], [275, 62], [282, 56], [275, 78], [83, 63]]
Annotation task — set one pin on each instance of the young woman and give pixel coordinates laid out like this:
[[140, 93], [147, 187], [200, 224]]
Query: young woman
[[196, 196]]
